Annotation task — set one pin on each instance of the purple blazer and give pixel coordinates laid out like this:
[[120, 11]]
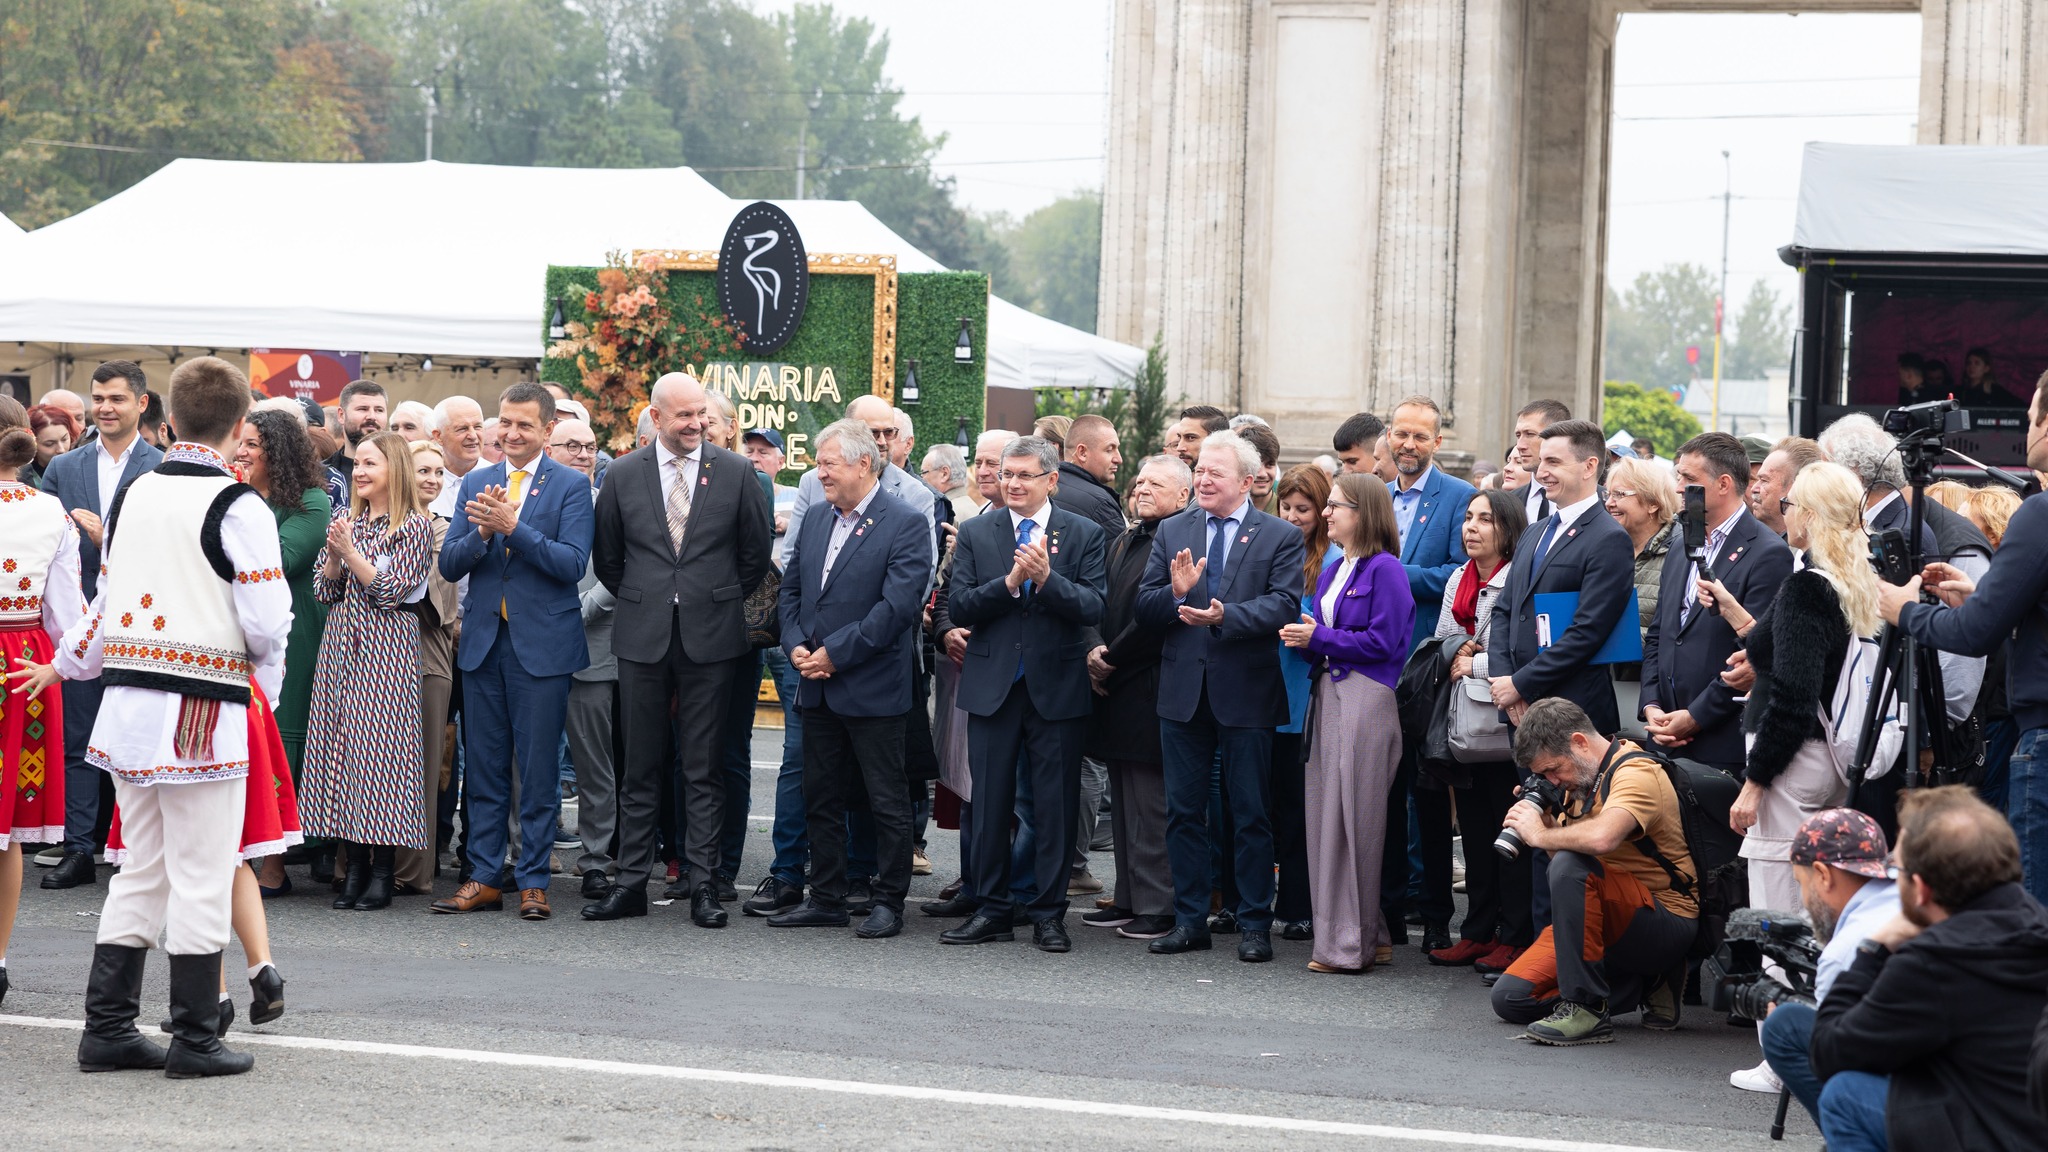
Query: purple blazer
[[1372, 625]]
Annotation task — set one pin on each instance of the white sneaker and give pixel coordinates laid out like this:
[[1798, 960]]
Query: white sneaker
[[1757, 1079]]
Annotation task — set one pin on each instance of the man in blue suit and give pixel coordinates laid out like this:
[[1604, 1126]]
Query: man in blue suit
[[1429, 511], [1028, 582], [1222, 581], [523, 539], [86, 480], [852, 594]]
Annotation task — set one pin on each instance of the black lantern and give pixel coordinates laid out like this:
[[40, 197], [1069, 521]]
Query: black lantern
[[963, 348], [960, 439], [910, 389], [556, 328]]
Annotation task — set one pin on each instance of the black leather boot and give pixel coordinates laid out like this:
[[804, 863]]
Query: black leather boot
[[196, 1049], [266, 995], [227, 1019], [377, 893], [113, 998], [323, 864], [358, 877]]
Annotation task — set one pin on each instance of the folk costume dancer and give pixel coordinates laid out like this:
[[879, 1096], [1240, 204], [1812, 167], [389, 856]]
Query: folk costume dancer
[[177, 635], [39, 600]]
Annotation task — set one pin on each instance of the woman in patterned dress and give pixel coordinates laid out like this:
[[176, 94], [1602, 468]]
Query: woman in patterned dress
[[362, 777], [39, 599]]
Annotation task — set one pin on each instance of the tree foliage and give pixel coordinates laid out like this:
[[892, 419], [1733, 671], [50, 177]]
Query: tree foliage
[[1650, 326], [1646, 412], [1056, 259], [1139, 409]]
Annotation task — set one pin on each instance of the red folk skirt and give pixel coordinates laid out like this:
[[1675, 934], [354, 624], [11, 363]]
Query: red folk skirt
[[270, 812], [31, 748]]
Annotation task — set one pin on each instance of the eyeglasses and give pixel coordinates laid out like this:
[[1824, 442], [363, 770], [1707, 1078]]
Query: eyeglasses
[[1785, 505], [1338, 504], [576, 447], [1006, 475], [888, 433], [1620, 493]]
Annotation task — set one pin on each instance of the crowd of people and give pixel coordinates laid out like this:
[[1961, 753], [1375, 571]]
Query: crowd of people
[[1316, 703]]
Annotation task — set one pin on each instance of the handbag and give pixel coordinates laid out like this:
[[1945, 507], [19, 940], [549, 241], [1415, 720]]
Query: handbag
[[764, 618], [1478, 734]]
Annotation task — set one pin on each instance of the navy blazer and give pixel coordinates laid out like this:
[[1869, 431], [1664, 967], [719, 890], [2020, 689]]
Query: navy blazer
[[74, 479], [534, 572], [866, 617], [1237, 661], [1683, 657], [1435, 547], [1596, 559], [1046, 628]]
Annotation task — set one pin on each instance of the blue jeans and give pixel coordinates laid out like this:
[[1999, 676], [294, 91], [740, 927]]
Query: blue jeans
[[512, 722], [2026, 806], [1788, 1047], [1190, 749], [790, 833], [1852, 1111], [81, 780]]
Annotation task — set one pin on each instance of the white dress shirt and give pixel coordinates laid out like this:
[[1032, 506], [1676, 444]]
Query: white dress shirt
[[1570, 513], [110, 469], [666, 459], [842, 530]]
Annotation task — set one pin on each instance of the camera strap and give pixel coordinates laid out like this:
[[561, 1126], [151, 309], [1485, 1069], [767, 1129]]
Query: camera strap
[[1645, 843]]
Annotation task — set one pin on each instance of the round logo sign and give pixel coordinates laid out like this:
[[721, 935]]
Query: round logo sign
[[764, 277]]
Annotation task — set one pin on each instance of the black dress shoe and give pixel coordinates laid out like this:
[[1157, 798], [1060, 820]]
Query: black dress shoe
[[704, 909], [1181, 939], [1413, 916], [727, 893], [962, 904], [617, 903], [1051, 935], [811, 914], [1223, 923], [266, 995], [1255, 947], [773, 898], [979, 929], [1436, 937], [860, 896], [881, 923], [1397, 932], [1297, 930], [595, 885], [74, 869], [1111, 917]]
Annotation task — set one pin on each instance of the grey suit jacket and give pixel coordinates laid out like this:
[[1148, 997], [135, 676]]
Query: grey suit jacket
[[598, 604], [74, 479]]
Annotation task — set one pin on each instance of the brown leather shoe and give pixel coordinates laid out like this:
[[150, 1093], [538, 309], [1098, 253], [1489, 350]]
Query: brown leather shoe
[[533, 904], [471, 897]]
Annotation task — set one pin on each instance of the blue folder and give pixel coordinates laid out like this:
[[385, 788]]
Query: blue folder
[[1623, 645]]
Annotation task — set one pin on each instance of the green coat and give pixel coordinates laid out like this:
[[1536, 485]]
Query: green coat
[[301, 533]]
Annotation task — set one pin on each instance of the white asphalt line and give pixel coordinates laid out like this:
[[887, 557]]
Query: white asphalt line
[[904, 1092]]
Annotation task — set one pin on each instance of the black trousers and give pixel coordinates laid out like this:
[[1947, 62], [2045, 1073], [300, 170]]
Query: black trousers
[[1050, 750], [1496, 891], [674, 711], [856, 761], [1594, 912], [1290, 828]]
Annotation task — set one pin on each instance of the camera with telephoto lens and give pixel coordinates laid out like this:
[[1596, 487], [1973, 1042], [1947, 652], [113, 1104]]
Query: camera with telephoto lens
[[1545, 797], [1935, 418], [1734, 979]]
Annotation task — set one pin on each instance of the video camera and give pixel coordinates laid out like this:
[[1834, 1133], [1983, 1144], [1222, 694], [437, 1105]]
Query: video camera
[[1546, 797], [1932, 420], [1733, 978]]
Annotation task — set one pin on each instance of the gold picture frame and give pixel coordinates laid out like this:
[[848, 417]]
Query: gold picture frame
[[881, 267]]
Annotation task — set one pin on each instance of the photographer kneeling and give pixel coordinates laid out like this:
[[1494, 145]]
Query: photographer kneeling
[[1844, 871], [1619, 930], [1923, 1041]]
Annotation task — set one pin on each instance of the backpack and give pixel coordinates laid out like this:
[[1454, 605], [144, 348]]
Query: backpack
[[1850, 710], [1705, 794]]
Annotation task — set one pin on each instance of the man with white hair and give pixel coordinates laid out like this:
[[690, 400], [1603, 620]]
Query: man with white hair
[[458, 429], [412, 420], [906, 439], [945, 469], [491, 452]]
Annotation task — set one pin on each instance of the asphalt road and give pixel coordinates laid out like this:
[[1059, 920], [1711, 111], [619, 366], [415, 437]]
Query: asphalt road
[[406, 1030]]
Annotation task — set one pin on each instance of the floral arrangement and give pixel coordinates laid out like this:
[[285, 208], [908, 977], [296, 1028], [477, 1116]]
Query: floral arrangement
[[628, 338]]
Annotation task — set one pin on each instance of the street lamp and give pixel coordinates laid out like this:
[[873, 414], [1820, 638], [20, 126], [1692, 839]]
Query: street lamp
[[963, 347], [910, 389], [556, 328], [960, 439]]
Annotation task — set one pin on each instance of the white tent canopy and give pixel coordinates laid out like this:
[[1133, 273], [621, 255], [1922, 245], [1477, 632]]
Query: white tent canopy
[[1922, 198], [430, 258]]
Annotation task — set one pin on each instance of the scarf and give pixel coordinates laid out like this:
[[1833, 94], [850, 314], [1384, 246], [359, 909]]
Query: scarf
[[1465, 605]]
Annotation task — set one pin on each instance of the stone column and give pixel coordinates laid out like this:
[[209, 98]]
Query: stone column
[[1984, 72]]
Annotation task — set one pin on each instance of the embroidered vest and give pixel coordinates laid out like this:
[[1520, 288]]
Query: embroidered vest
[[31, 528], [169, 605]]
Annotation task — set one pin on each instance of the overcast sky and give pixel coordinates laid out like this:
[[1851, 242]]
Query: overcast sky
[[1025, 84]]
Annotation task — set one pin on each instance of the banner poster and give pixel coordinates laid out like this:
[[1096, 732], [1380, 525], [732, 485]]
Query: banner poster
[[303, 374]]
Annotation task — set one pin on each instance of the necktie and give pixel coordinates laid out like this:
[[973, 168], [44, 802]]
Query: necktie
[[1542, 503], [516, 491], [678, 506], [1219, 541], [1543, 545], [1024, 528]]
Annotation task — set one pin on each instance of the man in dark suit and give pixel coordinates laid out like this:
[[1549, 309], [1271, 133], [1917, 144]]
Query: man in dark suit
[[852, 591], [523, 539], [1578, 548], [86, 480], [683, 536], [1687, 707], [1223, 579], [1530, 422], [1028, 584]]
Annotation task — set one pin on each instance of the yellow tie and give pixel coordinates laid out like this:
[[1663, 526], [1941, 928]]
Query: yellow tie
[[518, 482]]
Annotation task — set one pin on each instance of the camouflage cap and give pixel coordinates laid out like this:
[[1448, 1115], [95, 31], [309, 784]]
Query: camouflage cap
[[1843, 838]]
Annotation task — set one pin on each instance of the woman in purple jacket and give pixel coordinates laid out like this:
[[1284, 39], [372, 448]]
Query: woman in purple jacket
[[1356, 629]]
